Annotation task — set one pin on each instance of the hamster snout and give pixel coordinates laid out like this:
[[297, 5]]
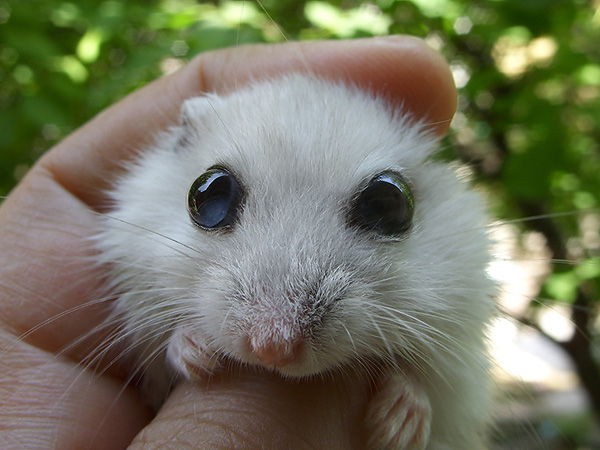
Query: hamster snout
[[275, 350]]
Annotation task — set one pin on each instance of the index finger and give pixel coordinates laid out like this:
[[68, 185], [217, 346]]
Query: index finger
[[402, 69]]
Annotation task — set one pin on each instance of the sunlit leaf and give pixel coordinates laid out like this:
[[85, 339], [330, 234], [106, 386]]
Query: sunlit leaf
[[72, 67], [562, 286], [88, 48], [589, 74]]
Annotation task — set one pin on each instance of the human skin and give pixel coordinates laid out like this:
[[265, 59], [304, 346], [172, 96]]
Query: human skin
[[47, 281]]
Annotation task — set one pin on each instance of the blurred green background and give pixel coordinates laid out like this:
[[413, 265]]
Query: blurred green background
[[528, 124]]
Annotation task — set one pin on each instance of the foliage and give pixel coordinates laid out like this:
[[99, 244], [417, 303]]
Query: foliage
[[528, 73]]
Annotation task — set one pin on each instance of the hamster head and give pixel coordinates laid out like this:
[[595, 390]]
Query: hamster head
[[300, 225]]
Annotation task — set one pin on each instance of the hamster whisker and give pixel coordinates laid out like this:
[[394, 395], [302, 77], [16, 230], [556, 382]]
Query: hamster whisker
[[134, 374], [522, 319], [86, 365], [225, 317], [434, 341], [349, 336], [273, 22], [62, 314], [565, 262], [157, 270], [433, 292], [500, 223], [118, 335], [383, 338], [230, 138], [552, 215], [95, 358], [146, 357], [157, 234], [395, 312], [427, 333], [554, 303]]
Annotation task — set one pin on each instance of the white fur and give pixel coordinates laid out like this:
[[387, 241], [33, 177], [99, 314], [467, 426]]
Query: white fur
[[302, 148]]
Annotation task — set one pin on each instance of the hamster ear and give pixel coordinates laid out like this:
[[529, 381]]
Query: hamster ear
[[196, 108], [194, 118]]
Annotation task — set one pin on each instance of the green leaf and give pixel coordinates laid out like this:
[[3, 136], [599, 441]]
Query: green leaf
[[88, 48], [562, 286]]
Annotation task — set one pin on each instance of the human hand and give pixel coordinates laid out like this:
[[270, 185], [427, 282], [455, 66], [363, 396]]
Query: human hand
[[48, 283]]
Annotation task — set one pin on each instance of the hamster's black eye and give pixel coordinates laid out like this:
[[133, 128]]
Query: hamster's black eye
[[214, 199], [385, 205]]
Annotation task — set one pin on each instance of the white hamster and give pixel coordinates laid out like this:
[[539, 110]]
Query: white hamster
[[301, 225]]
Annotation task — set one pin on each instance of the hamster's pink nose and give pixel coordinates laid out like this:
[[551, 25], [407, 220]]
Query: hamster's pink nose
[[276, 353]]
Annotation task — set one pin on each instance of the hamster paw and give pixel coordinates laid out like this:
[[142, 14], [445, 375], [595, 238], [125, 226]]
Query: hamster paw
[[399, 416], [189, 355]]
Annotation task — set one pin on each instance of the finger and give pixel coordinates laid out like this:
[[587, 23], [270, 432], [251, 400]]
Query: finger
[[403, 69], [48, 303], [48, 403], [50, 289], [260, 411]]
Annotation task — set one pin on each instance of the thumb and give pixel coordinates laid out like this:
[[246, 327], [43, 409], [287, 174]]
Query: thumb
[[258, 410]]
